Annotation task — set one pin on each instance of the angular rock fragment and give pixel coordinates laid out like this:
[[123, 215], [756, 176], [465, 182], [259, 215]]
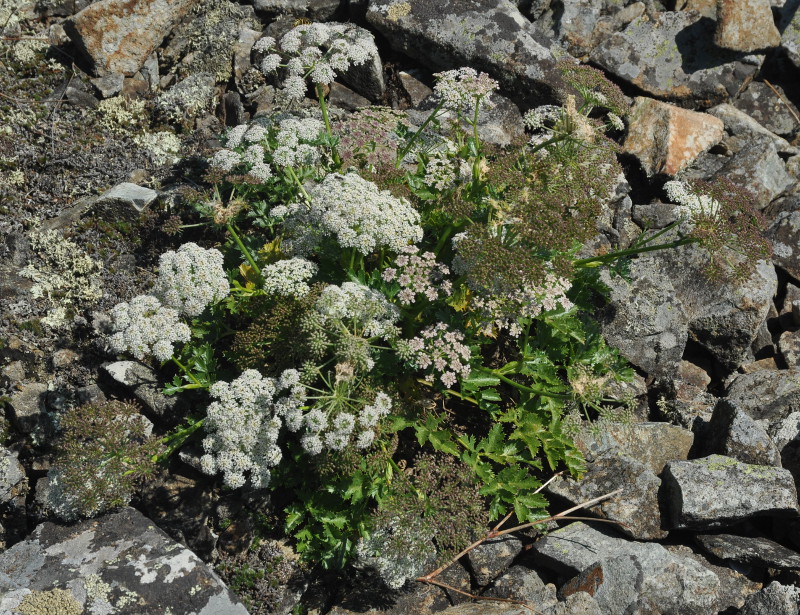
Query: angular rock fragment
[[124, 201], [489, 36], [28, 406], [716, 491], [772, 111], [755, 551], [775, 599], [733, 433], [119, 35], [636, 507], [665, 138], [673, 57], [492, 557], [118, 563], [629, 575], [790, 40], [743, 126], [653, 444], [746, 25], [770, 395], [144, 384]]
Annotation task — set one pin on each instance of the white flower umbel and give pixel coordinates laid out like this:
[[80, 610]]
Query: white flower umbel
[[460, 89], [288, 278], [691, 205], [317, 52], [244, 424], [191, 279], [363, 310], [244, 153], [296, 139], [354, 211], [144, 327]]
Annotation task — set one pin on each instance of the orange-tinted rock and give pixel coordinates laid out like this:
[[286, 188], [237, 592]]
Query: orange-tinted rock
[[119, 35], [666, 139], [746, 25]]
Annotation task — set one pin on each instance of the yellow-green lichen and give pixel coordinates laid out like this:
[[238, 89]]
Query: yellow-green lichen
[[52, 602], [398, 10]]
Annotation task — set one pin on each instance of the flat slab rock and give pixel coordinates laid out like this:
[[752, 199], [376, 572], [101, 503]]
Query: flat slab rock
[[673, 57], [626, 576], [751, 550], [716, 491], [119, 563]]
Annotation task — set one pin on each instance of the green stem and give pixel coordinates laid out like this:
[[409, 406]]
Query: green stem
[[443, 239], [402, 153], [596, 261], [197, 383], [324, 107], [176, 440], [296, 180], [242, 247], [450, 392]]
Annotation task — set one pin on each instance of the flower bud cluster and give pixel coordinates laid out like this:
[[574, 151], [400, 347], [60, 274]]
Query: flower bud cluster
[[441, 172], [689, 204], [440, 351], [145, 327], [333, 428], [191, 279], [316, 51], [295, 138], [462, 88], [354, 211], [418, 274], [288, 278], [244, 424], [362, 310]]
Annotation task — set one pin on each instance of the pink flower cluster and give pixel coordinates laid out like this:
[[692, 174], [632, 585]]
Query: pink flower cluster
[[418, 274], [440, 351]]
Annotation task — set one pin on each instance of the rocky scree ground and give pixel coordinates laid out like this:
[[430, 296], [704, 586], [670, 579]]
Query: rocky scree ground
[[102, 147]]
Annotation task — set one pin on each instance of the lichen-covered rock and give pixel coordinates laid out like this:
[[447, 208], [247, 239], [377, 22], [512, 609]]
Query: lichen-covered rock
[[521, 583], [772, 111], [790, 40], [489, 559], [630, 575], [775, 599], [636, 508], [125, 201], [673, 57], [716, 491], [487, 35], [653, 444], [750, 550], [733, 433], [746, 25], [766, 394], [118, 563], [144, 384], [784, 232], [665, 138], [13, 482], [119, 35], [315, 10], [28, 406], [744, 127]]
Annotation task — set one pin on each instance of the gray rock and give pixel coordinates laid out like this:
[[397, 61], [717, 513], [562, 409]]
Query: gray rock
[[790, 40], [634, 575], [770, 395], [758, 169], [734, 433], [13, 482], [118, 36], [789, 347], [653, 444], [486, 608], [650, 317], [492, 557], [716, 491], [124, 201], [414, 88], [761, 104], [740, 124], [487, 35], [28, 406], [637, 507], [118, 563], [241, 54], [188, 98], [775, 599], [344, 98], [315, 10], [144, 384], [522, 583], [672, 56], [654, 215], [784, 231], [580, 603], [759, 552]]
